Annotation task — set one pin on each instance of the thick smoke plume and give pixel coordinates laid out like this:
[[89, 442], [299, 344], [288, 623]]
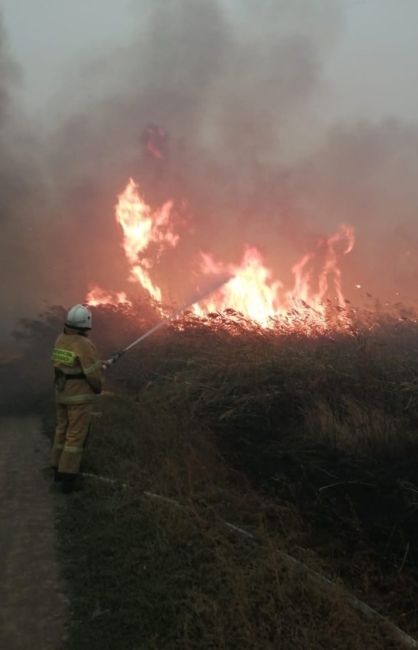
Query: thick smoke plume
[[244, 159]]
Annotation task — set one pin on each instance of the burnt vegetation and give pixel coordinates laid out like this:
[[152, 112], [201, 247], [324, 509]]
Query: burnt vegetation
[[307, 442]]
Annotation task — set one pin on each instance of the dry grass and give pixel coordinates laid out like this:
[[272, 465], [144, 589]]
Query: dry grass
[[308, 442], [155, 576]]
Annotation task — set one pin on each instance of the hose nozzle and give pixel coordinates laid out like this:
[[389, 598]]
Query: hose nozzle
[[112, 359]]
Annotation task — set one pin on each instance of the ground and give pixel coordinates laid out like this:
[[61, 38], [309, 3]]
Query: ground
[[34, 606], [309, 443]]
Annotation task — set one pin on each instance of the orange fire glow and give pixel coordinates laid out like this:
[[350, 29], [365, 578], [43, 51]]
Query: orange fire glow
[[253, 291]]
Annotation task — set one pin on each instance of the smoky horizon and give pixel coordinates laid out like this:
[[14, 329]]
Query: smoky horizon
[[269, 126]]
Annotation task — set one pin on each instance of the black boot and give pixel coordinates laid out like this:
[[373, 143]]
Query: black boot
[[67, 481], [70, 483], [57, 475]]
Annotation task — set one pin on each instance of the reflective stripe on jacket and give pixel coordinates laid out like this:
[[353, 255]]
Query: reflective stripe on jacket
[[76, 361]]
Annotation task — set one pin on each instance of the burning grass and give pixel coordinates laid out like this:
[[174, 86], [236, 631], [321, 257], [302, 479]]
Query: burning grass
[[307, 441]]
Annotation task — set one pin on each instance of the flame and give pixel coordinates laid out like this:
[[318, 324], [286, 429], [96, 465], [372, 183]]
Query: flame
[[253, 293], [329, 280], [253, 290], [98, 296], [145, 235], [250, 290]]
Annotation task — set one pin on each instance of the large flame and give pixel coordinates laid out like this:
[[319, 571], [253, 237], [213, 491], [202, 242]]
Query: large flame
[[253, 293], [249, 292], [252, 290], [145, 235]]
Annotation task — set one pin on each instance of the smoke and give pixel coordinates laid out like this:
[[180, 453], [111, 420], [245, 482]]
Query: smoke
[[22, 200], [364, 174], [244, 159]]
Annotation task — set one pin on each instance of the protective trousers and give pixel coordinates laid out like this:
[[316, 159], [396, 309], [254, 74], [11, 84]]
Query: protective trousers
[[72, 428]]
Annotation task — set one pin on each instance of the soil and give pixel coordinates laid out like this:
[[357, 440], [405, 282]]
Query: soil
[[33, 605]]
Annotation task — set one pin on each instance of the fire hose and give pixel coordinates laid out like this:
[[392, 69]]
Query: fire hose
[[196, 298]]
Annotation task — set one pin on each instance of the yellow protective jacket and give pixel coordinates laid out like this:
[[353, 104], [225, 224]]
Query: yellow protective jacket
[[78, 369]]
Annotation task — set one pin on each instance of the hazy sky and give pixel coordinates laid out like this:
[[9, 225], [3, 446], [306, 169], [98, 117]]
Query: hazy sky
[[373, 71], [276, 116]]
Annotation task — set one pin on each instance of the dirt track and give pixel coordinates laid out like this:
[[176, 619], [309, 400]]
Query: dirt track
[[32, 603]]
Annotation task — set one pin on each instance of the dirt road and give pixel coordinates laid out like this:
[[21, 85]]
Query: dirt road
[[33, 608]]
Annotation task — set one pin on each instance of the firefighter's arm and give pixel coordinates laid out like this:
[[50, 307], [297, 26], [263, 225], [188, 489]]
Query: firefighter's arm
[[92, 368]]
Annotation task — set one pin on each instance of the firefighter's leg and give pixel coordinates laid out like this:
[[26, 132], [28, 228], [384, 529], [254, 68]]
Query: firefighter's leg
[[60, 433], [78, 426]]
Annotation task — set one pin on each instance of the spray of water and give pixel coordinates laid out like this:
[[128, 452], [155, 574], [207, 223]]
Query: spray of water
[[194, 299]]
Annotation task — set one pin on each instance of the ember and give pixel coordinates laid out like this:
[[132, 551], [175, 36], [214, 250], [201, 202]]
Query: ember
[[155, 141]]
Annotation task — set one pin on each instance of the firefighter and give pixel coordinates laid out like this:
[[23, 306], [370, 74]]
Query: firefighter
[[78, 380]]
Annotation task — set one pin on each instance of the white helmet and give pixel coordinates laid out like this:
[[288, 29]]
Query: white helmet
[[79, 317]]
